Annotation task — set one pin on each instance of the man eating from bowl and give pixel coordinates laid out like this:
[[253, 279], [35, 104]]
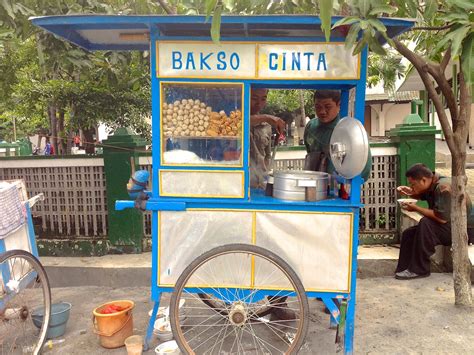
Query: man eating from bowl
[[418, 242]]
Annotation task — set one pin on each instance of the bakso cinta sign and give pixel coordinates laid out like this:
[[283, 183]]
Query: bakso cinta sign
[[256, 61]]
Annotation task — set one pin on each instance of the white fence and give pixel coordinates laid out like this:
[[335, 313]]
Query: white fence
[[75, 192]]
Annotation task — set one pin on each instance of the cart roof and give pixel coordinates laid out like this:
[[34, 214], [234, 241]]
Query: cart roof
[[125, 32]]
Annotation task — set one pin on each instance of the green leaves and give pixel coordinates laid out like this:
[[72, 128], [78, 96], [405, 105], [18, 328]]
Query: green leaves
[[216, 24], [431, 6], [382, 9], [210, 6], [325, 8], [214, 8], [467, 5], [7, 7]]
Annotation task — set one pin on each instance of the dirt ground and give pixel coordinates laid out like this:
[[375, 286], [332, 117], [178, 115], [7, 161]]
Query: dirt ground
[[392, 317]]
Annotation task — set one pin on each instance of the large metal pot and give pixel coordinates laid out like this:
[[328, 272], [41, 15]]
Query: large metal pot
[[293, 184]]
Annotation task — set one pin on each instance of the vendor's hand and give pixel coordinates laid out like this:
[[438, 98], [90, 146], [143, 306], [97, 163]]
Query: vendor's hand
[[405, 190], [276, 122], [409, 206], [280, 125]]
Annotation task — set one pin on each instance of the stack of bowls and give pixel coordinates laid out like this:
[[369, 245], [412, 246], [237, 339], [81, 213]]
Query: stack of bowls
[[162, 329], [168, 348], [164, 312]]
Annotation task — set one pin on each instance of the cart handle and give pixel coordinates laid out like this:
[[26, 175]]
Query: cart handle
[[124, 204], [121, 205], [32, 201]]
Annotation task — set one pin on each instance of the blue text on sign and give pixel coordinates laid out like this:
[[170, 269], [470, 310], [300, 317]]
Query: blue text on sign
[[204, 61], [308, 61]]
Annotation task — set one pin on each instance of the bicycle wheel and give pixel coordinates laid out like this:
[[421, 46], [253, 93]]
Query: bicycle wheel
[[216, 304], [24, 288], [239, 277]]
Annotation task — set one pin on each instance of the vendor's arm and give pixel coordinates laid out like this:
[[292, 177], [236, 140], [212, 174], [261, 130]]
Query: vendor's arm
[[276, 122]]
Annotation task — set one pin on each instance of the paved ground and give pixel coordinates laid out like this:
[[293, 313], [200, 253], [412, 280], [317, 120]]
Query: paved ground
[[393, 317]]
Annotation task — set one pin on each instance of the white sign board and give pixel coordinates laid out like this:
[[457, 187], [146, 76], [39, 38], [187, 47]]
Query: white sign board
[[300, 61], [206, 60], [306, 61]]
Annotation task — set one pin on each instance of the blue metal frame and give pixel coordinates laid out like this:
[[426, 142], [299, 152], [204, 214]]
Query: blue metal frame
[[159, 28]]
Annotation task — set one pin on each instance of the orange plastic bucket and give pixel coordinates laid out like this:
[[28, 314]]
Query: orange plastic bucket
[[114, 328]]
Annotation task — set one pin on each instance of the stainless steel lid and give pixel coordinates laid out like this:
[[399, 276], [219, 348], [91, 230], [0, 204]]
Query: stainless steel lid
[[349, 147], [300, 174]]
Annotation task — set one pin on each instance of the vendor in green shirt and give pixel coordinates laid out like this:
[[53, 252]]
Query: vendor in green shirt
[[318, 131]]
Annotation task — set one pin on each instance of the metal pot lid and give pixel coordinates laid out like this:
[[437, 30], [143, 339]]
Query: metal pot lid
[[299, 174], [349, 147]]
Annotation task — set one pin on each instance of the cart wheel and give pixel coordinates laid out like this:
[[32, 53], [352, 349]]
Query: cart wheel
[[24, 287], [231, 325], [217, 304]]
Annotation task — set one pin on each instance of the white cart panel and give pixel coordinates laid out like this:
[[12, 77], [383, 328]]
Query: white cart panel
[[19, 239], [316, 245], [186, 235]]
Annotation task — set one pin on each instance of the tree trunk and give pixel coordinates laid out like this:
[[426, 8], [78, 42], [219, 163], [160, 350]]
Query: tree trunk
[[69, 141], [53, 129], [461, 263], [61, 134], [303, 113], [88, 141]]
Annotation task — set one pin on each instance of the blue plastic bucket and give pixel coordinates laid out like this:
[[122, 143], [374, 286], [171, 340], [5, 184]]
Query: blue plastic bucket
[[59, 317]]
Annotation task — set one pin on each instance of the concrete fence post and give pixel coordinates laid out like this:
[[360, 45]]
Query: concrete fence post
[[121, 154]]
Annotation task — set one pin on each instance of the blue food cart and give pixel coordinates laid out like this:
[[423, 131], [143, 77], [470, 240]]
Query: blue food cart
[[241, 264]]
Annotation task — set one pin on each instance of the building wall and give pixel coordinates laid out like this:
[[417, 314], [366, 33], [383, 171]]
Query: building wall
[[386, 116]]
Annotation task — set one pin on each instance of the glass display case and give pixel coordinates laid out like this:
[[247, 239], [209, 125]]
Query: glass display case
[[201, 124]]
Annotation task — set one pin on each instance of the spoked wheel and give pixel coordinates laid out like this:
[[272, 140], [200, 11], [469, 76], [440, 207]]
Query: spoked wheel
[[217, 305], [24, 288], [242, 280]]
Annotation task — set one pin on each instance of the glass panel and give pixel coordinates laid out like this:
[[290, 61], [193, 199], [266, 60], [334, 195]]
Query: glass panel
[[208, 183], [202, 124]]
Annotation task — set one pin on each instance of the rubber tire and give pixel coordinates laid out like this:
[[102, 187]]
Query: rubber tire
[[188, 271], [41, 274]]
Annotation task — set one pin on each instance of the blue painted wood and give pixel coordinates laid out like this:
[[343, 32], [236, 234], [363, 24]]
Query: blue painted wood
[[31, 231], [351, 301], [107, 21], [155, 114]]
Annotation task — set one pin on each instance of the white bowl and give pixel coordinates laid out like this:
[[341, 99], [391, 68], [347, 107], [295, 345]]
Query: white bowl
[[162, 326], [402, 201], [168, 348]]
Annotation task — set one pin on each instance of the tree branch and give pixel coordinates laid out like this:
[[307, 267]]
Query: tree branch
[[421, 65], [168, 9], [445, 87], [445, 60], [429, 28], [464, 110]]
